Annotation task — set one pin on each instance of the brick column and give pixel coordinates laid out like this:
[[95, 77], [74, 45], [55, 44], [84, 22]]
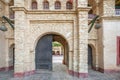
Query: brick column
[[76, 49], [7, 36], [74, 69], [23, 63], [7, 40], [6, 54], [19, 43], [82, 38], [83, 42], [70, 60]]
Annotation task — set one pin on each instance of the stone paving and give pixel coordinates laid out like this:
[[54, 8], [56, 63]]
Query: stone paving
[[60, 73]]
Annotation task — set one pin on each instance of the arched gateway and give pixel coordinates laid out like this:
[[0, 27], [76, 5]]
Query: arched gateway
[[33, 19], [43, 51], [68, 26]]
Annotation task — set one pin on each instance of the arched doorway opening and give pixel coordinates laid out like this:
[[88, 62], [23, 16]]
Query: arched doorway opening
[[11, 57], [90, 57], [57, 52], [44, 51]]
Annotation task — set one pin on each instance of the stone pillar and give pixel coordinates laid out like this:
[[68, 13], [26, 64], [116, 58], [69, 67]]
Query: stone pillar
[[76, 50], [5, 39], [19, 43], [7, 36], [97, 55], [83, 43], [83, 38], [23, 63], [70, 60], [66, 52], [7, 54], [97, 8], [6, 10], [32, 59]]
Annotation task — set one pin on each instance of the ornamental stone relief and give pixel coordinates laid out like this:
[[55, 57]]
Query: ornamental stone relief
[[40, 29]]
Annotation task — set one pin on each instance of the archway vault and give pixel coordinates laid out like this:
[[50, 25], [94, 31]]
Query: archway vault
[[43, 50], [68, 40]]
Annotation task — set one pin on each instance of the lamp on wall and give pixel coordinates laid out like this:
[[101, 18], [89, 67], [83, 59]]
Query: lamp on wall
[[3, 27], [97, 25], [6, 20]]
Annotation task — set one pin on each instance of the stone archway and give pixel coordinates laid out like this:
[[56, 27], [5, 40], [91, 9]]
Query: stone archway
[[61, 40], [43, 51], [92, 58]]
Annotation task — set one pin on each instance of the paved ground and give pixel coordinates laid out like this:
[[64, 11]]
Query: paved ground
[[57, 59], [60, 73]]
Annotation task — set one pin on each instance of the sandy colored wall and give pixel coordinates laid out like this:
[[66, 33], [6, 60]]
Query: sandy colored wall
[[2, 7], [31, 27], [27, 4], [111, 29], [2, 50]]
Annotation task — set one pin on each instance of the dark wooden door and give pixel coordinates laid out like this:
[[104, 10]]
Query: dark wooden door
[[90, 57], [44, 53]]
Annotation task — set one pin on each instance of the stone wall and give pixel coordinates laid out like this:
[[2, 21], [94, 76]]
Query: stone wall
[[107, 36], [40, 29], [27, 4], [2, 7], [110, 32], [2, 50], [83, 42], [31, 25], [108, 7], [34, 26], [6, 39]]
